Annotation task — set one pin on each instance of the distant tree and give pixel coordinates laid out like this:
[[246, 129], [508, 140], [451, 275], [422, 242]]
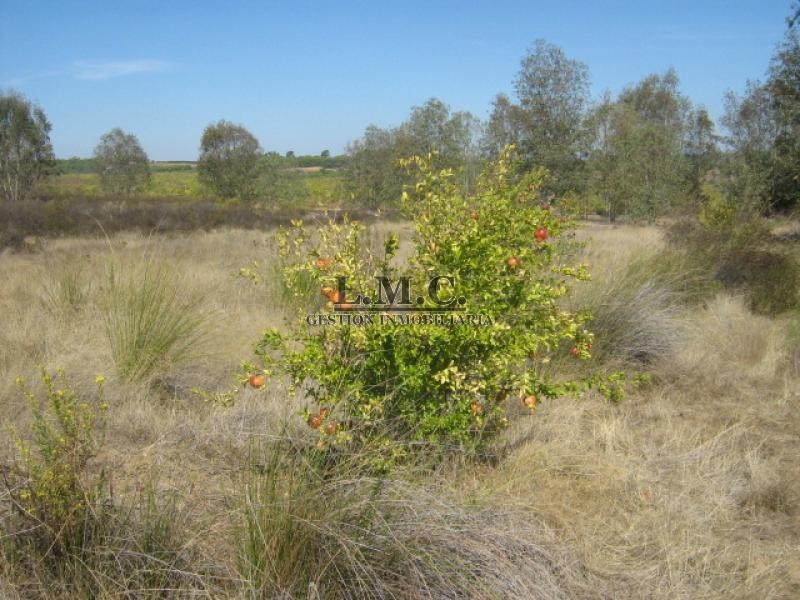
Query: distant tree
[[26, 154], [372, 175], [784, 87], [278, 182], [750, 119], [325, 154], [505, 126], [121, 162], [763, 163], [637, 164], [547, 122], [752, 124], [793, 20], [701, 149], [452, 136], [466, 156], [603, 156], [656, 99], [701, 139], [229, 160], [432, 127]]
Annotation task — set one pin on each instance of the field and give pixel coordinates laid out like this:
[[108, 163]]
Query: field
[[180, 181], [371, 345], [689, 488]]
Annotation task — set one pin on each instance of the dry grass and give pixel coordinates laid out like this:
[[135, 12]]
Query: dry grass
[[688, 489], [638, 293]]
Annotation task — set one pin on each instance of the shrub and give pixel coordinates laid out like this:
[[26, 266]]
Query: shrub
[[81, 216], [770, 278], [716, 211], [733, 243], [65, 533], [429, 386], [53, 488], [11, 238]]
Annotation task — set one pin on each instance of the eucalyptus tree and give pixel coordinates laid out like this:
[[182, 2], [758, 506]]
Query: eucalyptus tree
[[26, 154]]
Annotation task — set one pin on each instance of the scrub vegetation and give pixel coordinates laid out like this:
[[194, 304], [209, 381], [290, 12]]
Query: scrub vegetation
[[622, 422]]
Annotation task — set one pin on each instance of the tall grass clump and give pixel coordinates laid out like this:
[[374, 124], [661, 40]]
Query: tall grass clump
[[312, 528], [725, 345], [793, 342], [151, 323], [67, 288], [636, 305], [142, 553], [307, 527]]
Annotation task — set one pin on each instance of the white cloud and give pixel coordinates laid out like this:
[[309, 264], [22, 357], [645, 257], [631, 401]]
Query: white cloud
[[94, 70], [20, 81], [100, 70]]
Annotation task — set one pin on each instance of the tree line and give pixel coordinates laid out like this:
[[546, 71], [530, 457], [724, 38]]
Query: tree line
[[647, 152], [231, 163]]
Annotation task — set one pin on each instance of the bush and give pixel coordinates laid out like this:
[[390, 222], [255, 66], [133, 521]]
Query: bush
[[53, 489], [770, 278], [79, 216], [66, 534], [430, 387], [733, 244], [11, 238]]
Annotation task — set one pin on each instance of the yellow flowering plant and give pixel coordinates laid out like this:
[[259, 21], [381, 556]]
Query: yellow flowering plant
[[52, 485]]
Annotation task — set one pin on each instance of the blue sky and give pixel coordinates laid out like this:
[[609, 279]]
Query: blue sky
[[309, 76]]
